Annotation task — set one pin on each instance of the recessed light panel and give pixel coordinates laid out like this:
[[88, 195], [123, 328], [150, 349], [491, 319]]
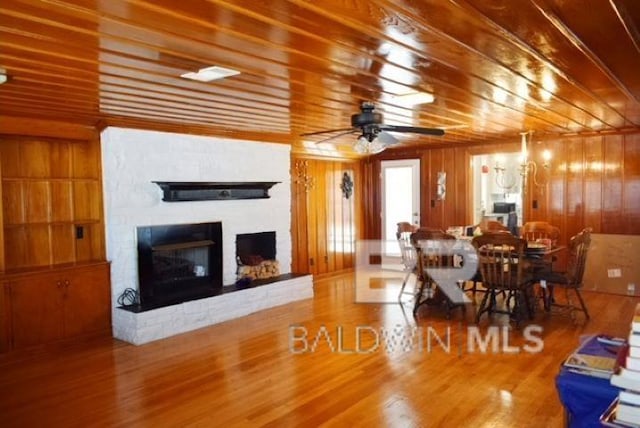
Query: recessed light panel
[[210, 73], [415, 98]]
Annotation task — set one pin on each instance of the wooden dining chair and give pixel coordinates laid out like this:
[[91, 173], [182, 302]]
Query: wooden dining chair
[[492, 226], [405, 229], [534, 230], [500, 264], [426, 241], [572, 278], [407, 252], [486, 227]]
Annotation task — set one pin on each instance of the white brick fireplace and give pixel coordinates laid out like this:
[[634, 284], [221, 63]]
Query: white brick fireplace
[[133, 159]]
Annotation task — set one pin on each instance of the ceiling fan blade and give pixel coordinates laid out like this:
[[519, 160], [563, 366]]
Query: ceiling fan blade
[[386, 138], [412, 129], [333, 137], [326, 132]]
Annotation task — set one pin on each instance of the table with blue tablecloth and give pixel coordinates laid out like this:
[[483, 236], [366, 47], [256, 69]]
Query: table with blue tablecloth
[[584, 397]]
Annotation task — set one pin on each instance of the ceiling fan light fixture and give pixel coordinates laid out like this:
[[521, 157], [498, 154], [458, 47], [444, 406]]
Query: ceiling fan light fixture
[[415, 98], [209, 74], [364, 146], [376, 146], [361, 145]]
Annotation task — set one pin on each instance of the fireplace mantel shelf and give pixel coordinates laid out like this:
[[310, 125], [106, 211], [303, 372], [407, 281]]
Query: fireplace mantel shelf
[[182, 191]]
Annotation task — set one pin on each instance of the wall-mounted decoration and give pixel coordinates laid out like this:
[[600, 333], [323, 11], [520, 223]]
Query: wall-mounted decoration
[[302, 177], [346, 185], [441, 181]]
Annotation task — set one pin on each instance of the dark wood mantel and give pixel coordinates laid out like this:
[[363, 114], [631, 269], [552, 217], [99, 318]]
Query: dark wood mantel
[[181, 191]]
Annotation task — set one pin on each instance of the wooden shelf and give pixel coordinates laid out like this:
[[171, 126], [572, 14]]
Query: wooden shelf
[[183, 191], [51, 204]]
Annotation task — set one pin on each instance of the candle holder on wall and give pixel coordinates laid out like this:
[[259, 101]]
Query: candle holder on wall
[[302, 176]]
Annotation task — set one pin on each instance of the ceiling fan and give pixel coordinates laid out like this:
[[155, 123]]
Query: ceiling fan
[[374, 135]]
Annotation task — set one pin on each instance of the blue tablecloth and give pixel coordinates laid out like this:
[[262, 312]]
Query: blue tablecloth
[[584, 397]]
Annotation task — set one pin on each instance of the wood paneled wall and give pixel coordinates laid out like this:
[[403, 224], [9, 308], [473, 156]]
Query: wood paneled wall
[[51, 202], [325, 224], [592, 181]]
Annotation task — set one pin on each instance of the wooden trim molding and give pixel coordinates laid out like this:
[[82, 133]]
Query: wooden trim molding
[[23, 126]]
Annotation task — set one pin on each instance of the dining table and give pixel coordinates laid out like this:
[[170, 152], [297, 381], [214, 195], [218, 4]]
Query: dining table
[[538, 259]]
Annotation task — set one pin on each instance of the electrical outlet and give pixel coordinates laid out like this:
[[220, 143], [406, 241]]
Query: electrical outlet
[[614, 273], [631, 289]]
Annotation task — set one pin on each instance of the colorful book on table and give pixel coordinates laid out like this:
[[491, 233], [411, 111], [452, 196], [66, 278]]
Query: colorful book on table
[[596, 356]]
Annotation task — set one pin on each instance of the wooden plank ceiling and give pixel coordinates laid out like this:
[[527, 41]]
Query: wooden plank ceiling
[[495, 67]]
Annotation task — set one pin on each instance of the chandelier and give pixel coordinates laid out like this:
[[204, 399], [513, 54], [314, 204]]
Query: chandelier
[[527, 166]]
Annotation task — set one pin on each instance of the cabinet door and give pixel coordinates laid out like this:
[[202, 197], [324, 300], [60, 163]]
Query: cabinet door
[[87, 301], [36, 310]]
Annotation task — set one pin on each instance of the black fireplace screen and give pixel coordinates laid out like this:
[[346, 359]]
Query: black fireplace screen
[[179, 262]]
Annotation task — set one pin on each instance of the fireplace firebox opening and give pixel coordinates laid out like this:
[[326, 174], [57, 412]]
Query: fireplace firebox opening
[[256, 255], [177, 263]]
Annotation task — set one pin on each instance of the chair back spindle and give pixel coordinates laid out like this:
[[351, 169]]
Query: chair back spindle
[[578, 250]]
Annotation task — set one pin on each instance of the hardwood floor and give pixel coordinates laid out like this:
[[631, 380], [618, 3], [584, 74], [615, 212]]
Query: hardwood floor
[[244, 373]]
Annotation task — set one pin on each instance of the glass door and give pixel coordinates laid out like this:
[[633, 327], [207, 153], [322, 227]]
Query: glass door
[[400, 198]]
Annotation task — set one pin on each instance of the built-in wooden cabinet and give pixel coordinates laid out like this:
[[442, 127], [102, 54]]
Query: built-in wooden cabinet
[[57, 304], [34, 310], [54, 277], [51, 202]]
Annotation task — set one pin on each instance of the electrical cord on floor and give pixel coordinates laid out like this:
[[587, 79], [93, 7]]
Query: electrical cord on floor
[[128, 297]]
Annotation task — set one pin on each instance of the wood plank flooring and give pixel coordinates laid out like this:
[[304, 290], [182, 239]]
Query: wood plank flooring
[[247, 372]]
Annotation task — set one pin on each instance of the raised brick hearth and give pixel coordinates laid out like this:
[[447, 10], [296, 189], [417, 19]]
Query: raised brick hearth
[[143, 327]]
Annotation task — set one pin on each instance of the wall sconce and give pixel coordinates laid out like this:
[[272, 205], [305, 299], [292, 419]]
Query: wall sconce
[[530, 166], [441, 190]]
